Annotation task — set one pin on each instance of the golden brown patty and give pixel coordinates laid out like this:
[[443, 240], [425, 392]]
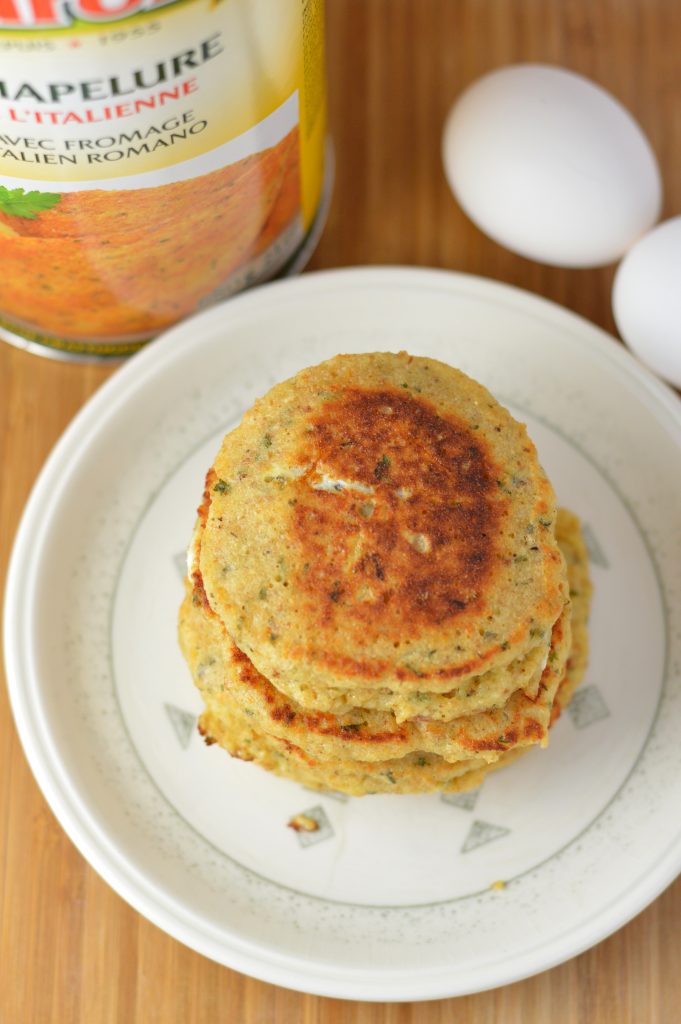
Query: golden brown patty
[[480, 693], [569, 536], [225, 675], [418, 772], [380, 521], [233, 725], [414, 773]]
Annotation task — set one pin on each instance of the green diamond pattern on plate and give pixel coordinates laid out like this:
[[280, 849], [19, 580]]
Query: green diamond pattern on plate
[[596, 553], [331, 793], [466, 801], [324, 830], [180, 563], [587, 706], [183, 723], [481, 833]]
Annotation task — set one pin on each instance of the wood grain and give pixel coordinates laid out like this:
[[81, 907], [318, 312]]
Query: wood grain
[[70, 949]]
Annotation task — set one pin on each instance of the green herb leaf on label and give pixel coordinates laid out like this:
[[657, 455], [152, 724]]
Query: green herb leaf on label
[[18, 203]]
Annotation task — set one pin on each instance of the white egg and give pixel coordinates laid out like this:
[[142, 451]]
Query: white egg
[[646, 300], [551, 166]]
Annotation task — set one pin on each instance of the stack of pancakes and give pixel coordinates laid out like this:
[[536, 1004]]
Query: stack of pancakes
[[382, 595]]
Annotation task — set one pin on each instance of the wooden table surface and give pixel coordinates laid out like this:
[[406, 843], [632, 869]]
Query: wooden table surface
[[70, 949]]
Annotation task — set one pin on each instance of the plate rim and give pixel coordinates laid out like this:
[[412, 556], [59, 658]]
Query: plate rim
[[94, 843]]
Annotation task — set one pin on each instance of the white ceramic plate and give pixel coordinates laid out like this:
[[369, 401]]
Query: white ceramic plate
[[391, 898]]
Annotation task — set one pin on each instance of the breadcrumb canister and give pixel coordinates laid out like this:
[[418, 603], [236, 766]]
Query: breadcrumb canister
[[156, 156]]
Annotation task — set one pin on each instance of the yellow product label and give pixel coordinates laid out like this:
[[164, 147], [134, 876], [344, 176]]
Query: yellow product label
[[154, 157]]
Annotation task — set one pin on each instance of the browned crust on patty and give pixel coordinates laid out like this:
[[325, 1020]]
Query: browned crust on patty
[[451, 504], [381, 534]]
